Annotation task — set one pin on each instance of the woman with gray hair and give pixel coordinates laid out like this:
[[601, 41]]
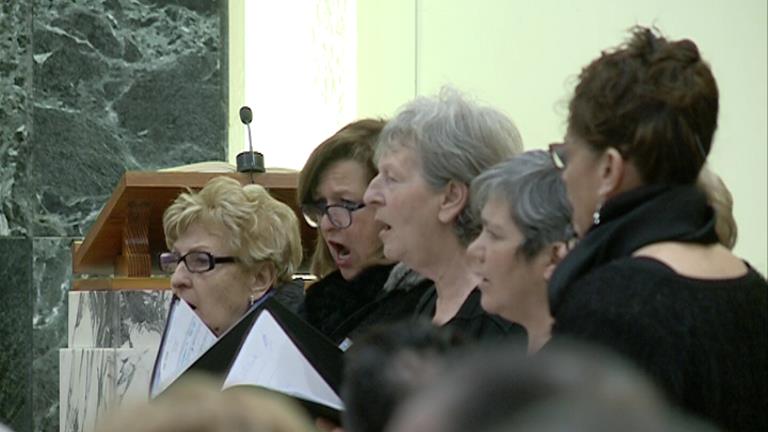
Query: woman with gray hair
[[526, 229], [427, 156]]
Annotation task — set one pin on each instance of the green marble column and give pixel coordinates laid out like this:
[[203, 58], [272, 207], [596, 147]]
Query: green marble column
[[90, 89], [16, 332]]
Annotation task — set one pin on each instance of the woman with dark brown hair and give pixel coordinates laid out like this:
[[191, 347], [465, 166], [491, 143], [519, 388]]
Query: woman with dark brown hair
[[351, 294], [648, 277]]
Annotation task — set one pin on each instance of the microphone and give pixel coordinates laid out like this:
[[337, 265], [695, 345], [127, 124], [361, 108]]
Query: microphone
[[249, 161]]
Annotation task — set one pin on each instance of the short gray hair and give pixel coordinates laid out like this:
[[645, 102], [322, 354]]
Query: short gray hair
[[456, 139], [531, 186]]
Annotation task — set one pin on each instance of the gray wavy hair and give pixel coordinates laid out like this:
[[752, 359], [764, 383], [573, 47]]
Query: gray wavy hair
[[532, 187], [455, 139]]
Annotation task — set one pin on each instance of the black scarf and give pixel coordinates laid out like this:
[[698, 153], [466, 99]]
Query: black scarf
[[634, 219], [331, 301]]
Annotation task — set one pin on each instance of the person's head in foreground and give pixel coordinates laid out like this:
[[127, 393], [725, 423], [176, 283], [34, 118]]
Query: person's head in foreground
[[496, 387], [229, 244], [387, 365], [525, 217], [330, 192], [198, 405]]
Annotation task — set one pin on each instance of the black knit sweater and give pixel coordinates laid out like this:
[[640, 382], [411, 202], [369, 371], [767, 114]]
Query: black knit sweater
[[705, 342]]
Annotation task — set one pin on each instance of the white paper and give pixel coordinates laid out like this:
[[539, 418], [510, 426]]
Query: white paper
[[186, 339], [269, 359]]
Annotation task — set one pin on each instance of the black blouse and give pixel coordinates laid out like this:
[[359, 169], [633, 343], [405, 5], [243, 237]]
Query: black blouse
[[471, 321]]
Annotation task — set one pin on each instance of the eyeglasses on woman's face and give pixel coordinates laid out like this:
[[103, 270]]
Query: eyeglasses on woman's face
[[340, 215], [196, 261], [558, 154]]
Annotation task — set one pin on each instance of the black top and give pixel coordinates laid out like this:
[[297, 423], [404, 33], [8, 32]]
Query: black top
[[343, 309], [290, 294], [703, 341], [471, 321]]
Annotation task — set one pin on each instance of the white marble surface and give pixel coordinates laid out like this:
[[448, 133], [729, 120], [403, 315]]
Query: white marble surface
[[96, 380], [113, 340], [86, 387], [116, 319]]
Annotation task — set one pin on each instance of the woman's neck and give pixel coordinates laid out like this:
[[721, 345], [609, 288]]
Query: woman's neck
[[454, 281], [539, 329], [532, 312]]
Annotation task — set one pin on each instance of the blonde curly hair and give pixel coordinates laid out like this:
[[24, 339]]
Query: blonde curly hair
[[256, 226]]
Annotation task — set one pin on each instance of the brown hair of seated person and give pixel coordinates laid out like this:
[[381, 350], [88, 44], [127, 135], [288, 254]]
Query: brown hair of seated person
[[355, 141], [198, 405], [489, 388]]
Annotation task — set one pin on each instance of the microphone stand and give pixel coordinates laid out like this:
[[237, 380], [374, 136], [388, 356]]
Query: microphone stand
[[249, 161]]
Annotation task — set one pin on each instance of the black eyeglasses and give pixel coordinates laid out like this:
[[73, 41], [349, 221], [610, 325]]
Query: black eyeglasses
[[557, 153], [196, 262], [339, 214]]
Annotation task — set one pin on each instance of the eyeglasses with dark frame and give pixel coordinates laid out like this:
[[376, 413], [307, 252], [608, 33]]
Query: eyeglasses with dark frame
[[558, 155], [196, 261], [340, 215]]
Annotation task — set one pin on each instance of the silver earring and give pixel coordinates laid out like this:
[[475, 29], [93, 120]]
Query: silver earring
[[596, 214], [251, 300]]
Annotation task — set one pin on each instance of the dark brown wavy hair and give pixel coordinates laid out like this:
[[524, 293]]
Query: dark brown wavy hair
[[654, 100]]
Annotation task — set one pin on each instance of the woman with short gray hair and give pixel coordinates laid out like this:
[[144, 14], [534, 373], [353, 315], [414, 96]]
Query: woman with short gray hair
[[525, 217], [427, 156]]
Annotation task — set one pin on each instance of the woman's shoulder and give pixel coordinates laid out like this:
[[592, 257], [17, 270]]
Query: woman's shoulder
[[617, 278], [643, 288], [290, 294], [637, 271], [697, 261]]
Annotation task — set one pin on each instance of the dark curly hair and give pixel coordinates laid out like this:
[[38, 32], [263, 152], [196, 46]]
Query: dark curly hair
[[654, 100]]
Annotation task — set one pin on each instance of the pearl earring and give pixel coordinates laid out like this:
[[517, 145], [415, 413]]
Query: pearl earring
[[596, 214]]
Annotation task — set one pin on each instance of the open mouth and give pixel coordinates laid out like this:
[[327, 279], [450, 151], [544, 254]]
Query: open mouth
[[340, 252]]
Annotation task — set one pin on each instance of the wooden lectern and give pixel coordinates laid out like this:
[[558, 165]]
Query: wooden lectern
[[118, 251]]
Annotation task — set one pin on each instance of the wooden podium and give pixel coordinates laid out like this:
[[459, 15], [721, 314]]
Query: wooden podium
[[120, 248]]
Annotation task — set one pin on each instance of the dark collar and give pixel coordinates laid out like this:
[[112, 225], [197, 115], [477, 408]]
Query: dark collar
[[469, 310], [635, 219]]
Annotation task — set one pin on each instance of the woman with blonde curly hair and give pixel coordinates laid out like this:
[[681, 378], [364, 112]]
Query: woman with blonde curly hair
[[237, 244]]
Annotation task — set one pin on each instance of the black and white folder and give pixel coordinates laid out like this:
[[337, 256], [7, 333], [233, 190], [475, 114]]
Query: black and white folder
[[269, 348]]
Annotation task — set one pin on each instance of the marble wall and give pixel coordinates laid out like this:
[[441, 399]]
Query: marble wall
[[90, 89], [112, 344]]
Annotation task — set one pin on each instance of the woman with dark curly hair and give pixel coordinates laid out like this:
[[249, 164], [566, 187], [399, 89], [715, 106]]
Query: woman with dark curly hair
[[648, 277]]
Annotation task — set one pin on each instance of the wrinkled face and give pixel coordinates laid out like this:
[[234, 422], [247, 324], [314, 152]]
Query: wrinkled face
[[406, 205], [582, 180], [507, 276], [357, 246], [219, 296]]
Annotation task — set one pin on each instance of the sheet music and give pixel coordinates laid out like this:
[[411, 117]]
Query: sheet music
[[269, 359], [186, 339]]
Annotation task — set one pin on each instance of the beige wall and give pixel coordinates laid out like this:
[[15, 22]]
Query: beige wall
[[524, 57]]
